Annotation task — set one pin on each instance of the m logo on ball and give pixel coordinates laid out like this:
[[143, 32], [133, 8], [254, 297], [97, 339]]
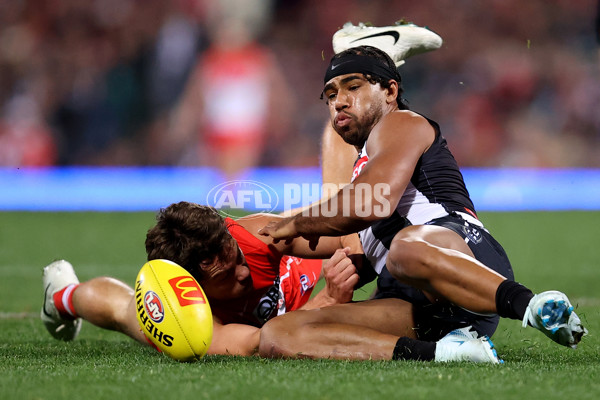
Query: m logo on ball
[[166, 293], [187, 291], [154, 307]]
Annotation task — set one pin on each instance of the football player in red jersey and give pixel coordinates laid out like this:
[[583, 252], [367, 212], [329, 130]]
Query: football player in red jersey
[[246, 280]]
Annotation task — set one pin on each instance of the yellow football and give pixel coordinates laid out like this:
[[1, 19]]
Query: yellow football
[[173, 311]]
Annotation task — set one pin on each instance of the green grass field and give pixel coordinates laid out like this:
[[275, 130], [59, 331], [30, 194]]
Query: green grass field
[[548, 250]]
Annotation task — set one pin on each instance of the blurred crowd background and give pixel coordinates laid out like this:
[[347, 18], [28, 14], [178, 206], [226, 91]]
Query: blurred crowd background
[[236, 83]]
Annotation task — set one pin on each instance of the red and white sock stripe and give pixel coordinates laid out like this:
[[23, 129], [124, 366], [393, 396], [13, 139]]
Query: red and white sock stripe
[[63, 300]]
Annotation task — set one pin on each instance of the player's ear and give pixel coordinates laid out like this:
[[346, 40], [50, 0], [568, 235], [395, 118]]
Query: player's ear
[[392, 91]]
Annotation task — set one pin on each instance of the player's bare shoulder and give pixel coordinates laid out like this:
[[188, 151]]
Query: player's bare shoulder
[[405, 118], [401, 125]]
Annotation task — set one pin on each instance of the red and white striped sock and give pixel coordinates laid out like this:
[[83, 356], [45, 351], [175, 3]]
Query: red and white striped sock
[[63, 300]]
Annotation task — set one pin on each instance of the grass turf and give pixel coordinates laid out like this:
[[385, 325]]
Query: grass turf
[[548, 250]]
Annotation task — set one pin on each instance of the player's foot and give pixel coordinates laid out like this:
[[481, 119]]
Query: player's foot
[[56, 276], [552, 313], [399, 41], [464, 345]]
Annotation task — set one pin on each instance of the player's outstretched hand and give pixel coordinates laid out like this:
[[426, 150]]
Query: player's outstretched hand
[[285, 229]]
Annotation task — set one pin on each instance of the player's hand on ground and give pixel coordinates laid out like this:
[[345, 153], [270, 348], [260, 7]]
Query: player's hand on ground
[[340, 276]]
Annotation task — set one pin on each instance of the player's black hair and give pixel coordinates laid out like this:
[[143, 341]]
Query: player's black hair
[[382, 56], [191, 235]]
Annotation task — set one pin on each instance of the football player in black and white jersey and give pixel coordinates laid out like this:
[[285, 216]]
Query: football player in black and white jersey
[[427, 247]]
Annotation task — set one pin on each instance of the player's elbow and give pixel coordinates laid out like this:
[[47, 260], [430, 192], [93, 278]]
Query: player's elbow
[[270, 345], [277, 339]]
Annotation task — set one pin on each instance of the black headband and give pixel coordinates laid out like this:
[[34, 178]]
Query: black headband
[[353, 63]]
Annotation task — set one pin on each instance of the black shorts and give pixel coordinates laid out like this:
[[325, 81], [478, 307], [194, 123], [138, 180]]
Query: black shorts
[[434, 321]]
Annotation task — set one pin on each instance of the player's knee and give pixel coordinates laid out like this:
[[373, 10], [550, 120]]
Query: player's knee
[[407, 258]]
